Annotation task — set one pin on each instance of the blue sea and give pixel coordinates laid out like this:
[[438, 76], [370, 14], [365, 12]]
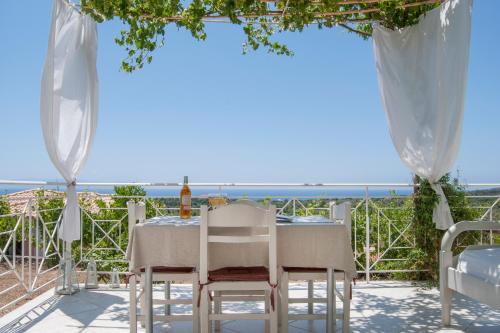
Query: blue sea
[[238, 192]]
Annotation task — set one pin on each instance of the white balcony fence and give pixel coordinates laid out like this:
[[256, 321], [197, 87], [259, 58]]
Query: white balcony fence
[[30, 250]]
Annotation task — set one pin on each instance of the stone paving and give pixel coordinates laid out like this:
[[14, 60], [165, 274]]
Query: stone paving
[[381, 306]]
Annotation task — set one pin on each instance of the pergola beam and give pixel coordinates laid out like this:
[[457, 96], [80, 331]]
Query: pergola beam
[[341, 3], [283, 13]]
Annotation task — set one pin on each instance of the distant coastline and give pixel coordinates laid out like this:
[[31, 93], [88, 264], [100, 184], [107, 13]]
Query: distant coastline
[[256, 193]]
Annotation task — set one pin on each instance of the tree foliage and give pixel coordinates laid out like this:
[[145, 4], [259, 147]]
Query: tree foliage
[[146, 21], [4, 207], [6, 222], [428, 238]]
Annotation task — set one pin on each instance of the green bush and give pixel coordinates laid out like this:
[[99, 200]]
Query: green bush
[[428, 238]]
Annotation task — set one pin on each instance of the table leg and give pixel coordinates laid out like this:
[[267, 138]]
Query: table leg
[[167, 297], [331, 310], [347, 303], [149, 299], [133, 304], [310, 295], [284, 302], [217, 309]]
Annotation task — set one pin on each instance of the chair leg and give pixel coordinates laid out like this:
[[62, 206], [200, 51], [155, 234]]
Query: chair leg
[[204, 305], [267, 309], [310, 295], [446, 299], [167, 297], [331, 302], [196, 312], [284, 302], [142, 300], [273, 315], [217, 309], [445, 260], [133, 304], [278, 292], [148, 310], [210, 312], [346, 304]]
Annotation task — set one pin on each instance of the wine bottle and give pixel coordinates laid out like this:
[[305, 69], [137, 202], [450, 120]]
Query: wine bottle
[[185, 210]]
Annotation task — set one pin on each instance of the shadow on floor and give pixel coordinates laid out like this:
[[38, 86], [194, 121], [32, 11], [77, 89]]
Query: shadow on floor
[[375, 309], [419, 312], [83, 308]]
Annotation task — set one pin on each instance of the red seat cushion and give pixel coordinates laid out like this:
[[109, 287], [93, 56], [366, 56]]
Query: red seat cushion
[[170, 270], [307, 270], [304, 269], [258, 273]]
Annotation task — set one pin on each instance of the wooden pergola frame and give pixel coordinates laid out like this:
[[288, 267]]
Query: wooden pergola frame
[[283, 13], [247, 18]]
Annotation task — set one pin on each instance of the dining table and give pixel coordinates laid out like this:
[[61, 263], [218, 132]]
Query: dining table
[[307, 241]]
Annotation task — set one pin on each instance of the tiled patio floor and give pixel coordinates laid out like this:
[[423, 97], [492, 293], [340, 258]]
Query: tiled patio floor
[[376, 307]]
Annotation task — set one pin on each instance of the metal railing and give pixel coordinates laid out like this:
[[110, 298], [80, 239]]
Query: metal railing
[[30, 251]]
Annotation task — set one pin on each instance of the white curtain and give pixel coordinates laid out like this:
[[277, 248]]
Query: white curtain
[[422, 74], [69, 101]]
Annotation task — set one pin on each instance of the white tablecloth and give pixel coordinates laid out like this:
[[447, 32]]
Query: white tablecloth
[[311, 242]]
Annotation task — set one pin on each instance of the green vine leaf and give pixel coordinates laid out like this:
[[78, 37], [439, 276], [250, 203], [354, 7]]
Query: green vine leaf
[[146, 20]]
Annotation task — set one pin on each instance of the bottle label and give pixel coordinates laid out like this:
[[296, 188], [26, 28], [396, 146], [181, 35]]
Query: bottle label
[[186, 201]]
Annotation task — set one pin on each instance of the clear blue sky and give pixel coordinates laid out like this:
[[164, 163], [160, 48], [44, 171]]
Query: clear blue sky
[[205, 110]]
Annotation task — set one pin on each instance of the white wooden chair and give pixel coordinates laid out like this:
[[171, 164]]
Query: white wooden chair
[[337, 212], [260, 225], [240, 295], [167, 275]]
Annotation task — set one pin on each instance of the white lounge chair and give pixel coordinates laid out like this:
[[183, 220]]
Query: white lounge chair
[[480, 282]]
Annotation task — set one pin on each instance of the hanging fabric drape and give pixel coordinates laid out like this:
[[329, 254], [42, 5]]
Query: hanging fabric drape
[[69, 101], [422, 74]]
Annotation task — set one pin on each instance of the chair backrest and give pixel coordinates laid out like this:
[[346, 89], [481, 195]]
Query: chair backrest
[[140, 212], [342, 212], [136, 212], [132, 220], [258, 221]]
